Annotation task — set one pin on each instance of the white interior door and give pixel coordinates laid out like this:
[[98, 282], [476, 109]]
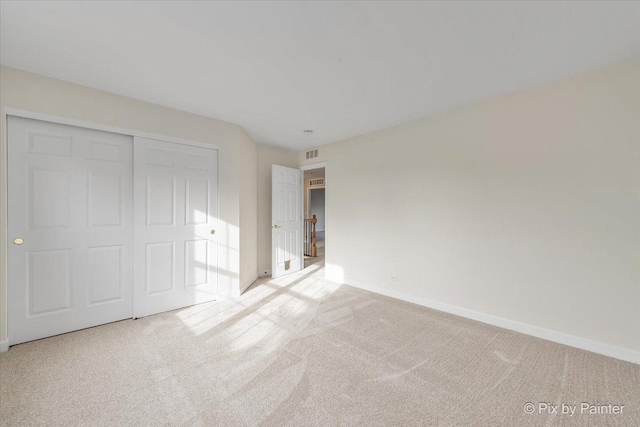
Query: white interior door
[[286, 217], [176, 218], [70, 228]]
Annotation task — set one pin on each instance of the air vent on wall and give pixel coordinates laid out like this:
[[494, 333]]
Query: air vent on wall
[[312, 154], [318, 182]]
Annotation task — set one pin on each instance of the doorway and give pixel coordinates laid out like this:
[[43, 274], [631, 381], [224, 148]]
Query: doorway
[[314, 236]]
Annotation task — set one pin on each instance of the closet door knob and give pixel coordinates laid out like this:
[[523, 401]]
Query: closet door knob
[[18, 241]]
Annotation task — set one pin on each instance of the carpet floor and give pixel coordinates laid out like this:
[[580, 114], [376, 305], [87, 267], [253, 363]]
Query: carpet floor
[[302, 351]]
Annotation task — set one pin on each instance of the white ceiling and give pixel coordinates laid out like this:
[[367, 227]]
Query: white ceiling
[[341, 69]]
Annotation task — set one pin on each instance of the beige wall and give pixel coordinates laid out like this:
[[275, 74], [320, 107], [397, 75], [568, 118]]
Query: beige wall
[[268, 156], [524, 207], [248, 211], [237, 158]]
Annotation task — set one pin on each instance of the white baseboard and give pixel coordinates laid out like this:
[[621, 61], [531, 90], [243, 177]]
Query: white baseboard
[[265, 273], [538, 332], [4, 345]]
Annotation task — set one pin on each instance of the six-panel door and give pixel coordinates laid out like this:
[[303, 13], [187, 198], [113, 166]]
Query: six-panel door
[[286, 217], [176, 250], [70, 228]]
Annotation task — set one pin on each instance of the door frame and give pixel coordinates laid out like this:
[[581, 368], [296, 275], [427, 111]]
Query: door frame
[[320, 165], [4, 187]]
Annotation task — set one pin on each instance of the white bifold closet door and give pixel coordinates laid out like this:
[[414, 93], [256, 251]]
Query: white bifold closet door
[[175, 225], [70, 228]]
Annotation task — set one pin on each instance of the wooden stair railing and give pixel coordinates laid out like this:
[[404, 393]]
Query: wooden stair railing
[[310, 248]]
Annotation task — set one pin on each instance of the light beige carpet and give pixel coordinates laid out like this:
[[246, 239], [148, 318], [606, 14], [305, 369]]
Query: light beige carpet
[[301, 351]]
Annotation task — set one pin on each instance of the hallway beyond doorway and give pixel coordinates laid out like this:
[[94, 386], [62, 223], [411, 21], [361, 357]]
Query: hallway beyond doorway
[[314, 213]]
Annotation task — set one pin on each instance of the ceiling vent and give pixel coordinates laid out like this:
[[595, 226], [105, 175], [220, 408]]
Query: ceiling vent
[[312, 154]]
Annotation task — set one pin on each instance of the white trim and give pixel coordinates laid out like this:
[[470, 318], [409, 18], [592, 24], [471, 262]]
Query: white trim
[[4, 345], [248, 283], [113, 129], [535, 331], [315, 166], [301, 206], [4, 231]]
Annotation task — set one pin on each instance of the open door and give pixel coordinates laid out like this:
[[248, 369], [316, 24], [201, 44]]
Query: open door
[[286, 221]]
